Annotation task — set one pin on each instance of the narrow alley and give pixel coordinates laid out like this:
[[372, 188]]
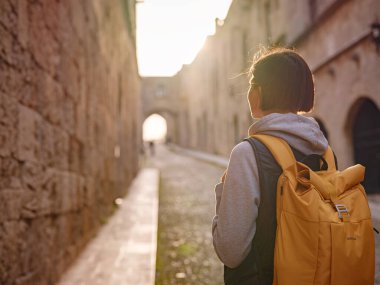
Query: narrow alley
[[117, 118]]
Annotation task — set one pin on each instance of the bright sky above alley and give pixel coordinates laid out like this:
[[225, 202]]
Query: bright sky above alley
[[171, 32]]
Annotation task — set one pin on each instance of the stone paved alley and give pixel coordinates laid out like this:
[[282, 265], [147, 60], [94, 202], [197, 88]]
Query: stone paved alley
[[185, 254]]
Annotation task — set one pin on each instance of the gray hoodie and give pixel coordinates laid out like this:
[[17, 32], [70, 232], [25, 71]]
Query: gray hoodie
[[238, 198]]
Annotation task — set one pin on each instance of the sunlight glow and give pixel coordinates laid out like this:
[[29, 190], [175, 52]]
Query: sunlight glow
[[171, 32], [154, 128]]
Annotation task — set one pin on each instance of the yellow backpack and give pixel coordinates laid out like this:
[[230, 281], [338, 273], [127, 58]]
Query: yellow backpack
[[324, 231]]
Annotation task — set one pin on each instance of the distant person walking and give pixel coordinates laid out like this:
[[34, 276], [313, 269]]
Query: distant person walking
[[245, 228], [152, 148]]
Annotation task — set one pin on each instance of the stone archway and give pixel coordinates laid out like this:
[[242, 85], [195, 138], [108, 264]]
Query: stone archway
[[366, 141], [171, 121], [160, 95]]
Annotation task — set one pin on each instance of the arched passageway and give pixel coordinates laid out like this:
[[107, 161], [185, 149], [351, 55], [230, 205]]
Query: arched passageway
[[155, 128], [366, 140]]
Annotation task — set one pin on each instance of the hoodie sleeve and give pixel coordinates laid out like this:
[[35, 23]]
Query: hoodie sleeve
[[237, 201]]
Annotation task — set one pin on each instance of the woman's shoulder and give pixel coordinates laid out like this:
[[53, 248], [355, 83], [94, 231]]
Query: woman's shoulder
[[242, 148], [242, 154]]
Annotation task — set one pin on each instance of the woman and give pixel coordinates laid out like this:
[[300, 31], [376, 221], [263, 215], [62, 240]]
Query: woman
[[244, 226]]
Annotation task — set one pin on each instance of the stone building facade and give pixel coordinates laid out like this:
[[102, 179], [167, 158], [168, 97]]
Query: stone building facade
[[69, 128], [334, 36]]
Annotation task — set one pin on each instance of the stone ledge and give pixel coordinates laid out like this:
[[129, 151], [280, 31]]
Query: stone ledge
[[124, 251]]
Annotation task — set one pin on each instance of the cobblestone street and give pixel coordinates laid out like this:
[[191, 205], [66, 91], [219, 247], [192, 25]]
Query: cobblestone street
[[185, 253]]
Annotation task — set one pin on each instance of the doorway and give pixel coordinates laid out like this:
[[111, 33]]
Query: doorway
[[366, 139]]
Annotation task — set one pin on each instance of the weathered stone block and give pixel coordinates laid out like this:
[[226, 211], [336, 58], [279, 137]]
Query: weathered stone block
[[47, 144], [68, 115], [67, 192], [11, 246], [81, 192], [88, 222], [11, 51], [26, 89], [90, 123], [51, 99], [59, 194], [8, 125], [89, 192], [29, 123], [35, 254], [31, 205], [78, 18], [90, 162], [32, 175], [51, 12], [10, 173], [46, 202], [27, 94], [62, 224], [6, 45], [44, 46], [81, 116], [61, 149], [8, 14], [10, 79], [22, 22], [75, 155], [54, 105], [10, 204], [30, 278], [68, 74]]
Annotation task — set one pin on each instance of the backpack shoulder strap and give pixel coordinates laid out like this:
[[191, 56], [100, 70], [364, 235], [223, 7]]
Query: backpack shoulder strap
[[284, 154], [280, 150], [330, 159]]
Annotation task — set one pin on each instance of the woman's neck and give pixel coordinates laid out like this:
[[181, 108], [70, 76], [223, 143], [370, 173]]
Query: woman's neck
[[267, 112]]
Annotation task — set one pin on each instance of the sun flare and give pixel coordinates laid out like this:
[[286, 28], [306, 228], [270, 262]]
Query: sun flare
[[171, 32]]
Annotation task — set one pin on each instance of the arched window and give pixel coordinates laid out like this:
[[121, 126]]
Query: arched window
[[366, 140]]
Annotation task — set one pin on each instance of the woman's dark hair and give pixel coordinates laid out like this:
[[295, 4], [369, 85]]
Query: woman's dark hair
[[285, 79]]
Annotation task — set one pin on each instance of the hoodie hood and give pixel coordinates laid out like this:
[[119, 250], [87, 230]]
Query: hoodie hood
[[302, 133]]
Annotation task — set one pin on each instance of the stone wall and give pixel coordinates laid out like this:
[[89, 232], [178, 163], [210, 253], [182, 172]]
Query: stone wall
[[69, 128], [332, 35]]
